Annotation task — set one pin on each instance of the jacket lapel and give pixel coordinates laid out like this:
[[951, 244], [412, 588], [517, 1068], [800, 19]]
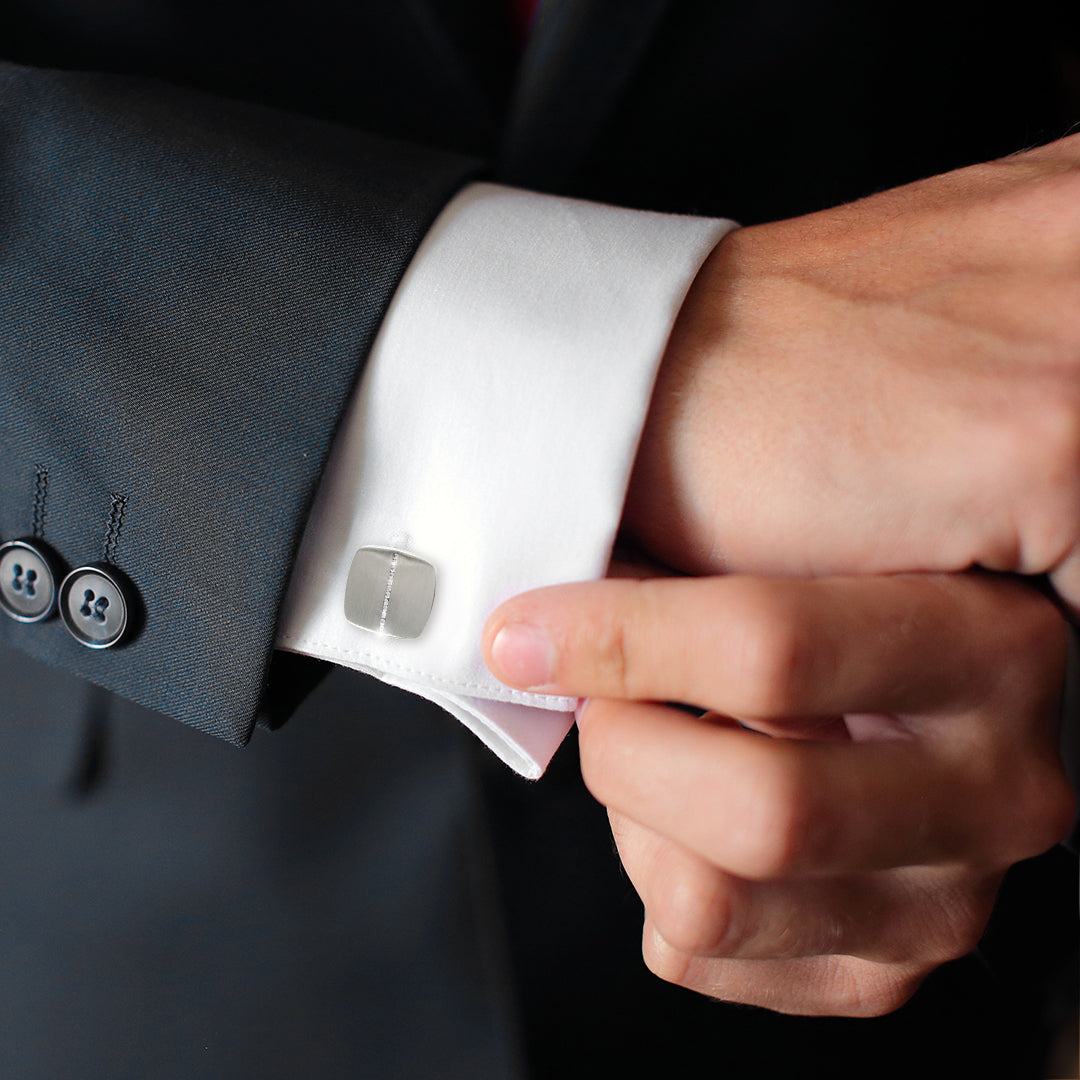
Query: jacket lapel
[[580, 56]]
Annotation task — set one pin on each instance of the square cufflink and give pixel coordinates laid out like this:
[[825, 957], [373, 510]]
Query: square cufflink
[[389, 592]]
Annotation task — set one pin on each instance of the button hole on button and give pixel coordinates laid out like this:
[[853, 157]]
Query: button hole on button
[[27, 586]]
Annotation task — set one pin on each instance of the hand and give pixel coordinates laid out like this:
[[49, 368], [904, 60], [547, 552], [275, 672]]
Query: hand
[[827, 869], [892, 385]]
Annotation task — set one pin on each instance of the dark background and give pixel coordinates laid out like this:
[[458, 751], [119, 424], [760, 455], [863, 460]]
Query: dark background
[[311, 906]]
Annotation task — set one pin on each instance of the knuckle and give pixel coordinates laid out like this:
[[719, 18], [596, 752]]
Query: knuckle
[[955, 923], [663, 960], [1043, 812], [621, 642], [1060, 813], [866, 990], [1031, 439], [609, 648], [781, 830], [963, 937], [774, 653], [1026, 799], [1033, 811], [693, 913], [1053, 435], [1045, 637], [1031, 657], [883, 996]]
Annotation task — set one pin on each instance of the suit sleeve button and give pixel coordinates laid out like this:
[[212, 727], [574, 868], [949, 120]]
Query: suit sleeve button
[[27, 581], [94, 606]]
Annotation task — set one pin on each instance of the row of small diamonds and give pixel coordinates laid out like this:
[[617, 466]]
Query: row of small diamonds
[[386, 595]]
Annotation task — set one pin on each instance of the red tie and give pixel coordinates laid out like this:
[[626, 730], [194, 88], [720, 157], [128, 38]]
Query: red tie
[[523, 12]]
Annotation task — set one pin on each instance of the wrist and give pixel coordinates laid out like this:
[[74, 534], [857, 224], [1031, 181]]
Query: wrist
[[665, 510]]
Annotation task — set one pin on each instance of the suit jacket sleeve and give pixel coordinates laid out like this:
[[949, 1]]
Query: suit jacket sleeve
[[188, 290]]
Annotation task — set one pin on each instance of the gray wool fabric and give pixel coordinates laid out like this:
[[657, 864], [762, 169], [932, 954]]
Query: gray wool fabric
[[190, 289]]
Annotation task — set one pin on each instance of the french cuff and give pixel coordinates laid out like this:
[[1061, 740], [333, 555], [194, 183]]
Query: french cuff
[[490, 439]]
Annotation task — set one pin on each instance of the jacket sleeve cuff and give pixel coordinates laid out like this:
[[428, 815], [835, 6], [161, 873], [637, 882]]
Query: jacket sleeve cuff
[[190, 289]]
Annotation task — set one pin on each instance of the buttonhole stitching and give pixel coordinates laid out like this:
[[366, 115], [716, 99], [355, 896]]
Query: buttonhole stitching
[[117, 503], [41, 493]]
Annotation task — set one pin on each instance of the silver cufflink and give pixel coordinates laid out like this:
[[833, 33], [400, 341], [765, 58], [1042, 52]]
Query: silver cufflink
[[389, 592]]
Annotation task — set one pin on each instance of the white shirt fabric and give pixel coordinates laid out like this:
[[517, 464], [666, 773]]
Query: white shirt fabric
[[492, 434]]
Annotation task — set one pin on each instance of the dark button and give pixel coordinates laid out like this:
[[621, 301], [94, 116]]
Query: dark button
[[27, 582], [94, 606]]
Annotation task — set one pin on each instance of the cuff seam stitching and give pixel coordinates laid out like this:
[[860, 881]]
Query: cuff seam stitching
[[551, 701]]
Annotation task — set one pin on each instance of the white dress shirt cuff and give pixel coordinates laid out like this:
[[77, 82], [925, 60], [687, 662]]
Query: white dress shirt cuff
[[492, 435]]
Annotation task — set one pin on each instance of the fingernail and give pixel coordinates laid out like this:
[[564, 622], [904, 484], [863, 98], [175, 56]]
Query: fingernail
[[523, 655]]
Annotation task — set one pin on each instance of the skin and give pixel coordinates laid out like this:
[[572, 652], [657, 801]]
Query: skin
[[887, 386], [896, 753], [884, 387]]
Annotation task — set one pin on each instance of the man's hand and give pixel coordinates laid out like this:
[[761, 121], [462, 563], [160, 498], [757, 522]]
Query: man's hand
[[892, 385], [830, 867]]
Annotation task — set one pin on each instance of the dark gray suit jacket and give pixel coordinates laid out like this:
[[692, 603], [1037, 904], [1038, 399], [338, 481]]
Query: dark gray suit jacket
[[204, 210]]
